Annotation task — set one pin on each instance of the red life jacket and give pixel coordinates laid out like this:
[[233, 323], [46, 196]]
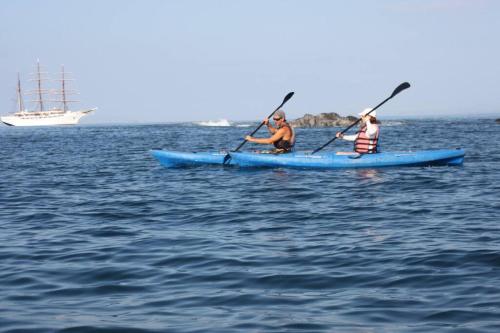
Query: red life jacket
[[365, 145]]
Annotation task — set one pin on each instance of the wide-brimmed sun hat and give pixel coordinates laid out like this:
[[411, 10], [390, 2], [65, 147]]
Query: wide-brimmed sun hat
[[365, 112]]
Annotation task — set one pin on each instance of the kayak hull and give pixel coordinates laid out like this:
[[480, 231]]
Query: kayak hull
[[324, 160], [444, 157]]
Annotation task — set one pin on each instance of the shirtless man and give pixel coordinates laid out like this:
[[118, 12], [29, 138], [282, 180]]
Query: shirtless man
[[283, 136]]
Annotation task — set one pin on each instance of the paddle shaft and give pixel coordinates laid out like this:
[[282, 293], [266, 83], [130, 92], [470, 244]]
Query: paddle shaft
[[400, 88], [287, 97], [348, 128]]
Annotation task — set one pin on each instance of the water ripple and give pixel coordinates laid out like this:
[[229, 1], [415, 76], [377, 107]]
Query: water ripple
[[98, 237]]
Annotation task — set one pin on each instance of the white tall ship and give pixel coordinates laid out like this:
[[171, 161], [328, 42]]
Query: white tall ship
[[41, 116]]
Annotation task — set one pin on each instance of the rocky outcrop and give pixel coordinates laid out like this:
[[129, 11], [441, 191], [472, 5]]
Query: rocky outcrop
[[323, 120]]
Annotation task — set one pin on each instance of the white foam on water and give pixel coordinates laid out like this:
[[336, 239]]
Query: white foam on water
[[389, 123], [215, 123]]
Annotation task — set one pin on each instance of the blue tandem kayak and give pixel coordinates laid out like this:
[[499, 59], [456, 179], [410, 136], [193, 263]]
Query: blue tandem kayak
[[323, 160]]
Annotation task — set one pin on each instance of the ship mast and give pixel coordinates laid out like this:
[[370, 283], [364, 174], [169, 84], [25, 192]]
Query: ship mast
[[39, 91], [65, 103], [64, 91], [20, 103], [39, 76]]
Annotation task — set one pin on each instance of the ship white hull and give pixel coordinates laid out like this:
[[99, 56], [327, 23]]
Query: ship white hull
[[45, 118]]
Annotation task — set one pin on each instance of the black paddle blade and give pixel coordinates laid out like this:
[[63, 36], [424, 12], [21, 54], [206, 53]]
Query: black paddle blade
[[400, 88], [287, 97], [226, 159]]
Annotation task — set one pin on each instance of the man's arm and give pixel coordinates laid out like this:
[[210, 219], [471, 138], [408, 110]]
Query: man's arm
[[270, 127], [277, 136]]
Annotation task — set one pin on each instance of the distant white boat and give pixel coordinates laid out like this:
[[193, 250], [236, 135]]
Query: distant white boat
[[215, 123], [41, 117]]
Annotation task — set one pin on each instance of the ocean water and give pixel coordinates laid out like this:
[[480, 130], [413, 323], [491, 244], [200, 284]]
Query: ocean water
[[96, 236]]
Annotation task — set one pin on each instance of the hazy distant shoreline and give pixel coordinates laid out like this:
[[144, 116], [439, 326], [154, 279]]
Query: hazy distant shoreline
[[493, 117]]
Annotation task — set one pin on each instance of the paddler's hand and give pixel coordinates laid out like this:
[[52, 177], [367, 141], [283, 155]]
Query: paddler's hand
[[266, 121], [248, 138], [339, 135]]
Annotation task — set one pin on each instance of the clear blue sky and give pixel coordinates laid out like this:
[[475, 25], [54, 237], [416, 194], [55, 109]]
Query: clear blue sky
[[164, 61]]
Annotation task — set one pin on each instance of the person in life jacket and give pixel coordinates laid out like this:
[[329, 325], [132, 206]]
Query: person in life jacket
[[366, 140], [283, 135]]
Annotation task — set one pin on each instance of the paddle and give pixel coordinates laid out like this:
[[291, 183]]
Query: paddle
[[400, 88], [287, 97]]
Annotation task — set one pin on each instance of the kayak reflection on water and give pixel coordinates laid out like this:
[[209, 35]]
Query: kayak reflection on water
[[372, 174]]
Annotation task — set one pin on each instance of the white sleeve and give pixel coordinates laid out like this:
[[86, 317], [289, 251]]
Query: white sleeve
[[350, 137]]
